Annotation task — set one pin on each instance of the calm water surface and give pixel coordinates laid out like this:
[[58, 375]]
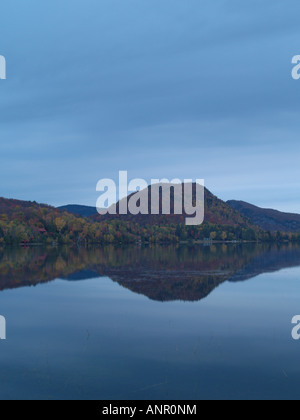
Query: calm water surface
[[203, 322]]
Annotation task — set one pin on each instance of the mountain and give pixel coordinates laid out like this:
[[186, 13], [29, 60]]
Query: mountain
[[29, 222], [216, 212], [83, 211], [268, 219], [24, 222]]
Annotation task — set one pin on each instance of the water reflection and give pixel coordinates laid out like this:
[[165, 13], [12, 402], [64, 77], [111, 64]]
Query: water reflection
[[188, 273]]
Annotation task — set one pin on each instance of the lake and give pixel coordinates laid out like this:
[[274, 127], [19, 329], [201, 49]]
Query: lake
[[161, 322]]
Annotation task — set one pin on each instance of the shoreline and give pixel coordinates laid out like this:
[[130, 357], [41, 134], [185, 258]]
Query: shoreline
[[140, 243]]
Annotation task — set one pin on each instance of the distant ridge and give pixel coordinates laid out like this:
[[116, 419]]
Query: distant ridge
[[268, 219], [78, 210]]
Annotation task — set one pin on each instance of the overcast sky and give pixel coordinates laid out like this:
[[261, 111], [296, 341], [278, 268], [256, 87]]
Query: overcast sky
[[161, 88]]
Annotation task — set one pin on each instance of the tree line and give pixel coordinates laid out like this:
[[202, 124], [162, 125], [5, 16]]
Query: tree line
[[45, 225]]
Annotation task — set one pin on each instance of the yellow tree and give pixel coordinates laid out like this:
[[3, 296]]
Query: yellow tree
[[60, 224]]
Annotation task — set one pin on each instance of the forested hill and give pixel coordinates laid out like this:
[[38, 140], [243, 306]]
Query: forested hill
[[216, 212], [29, 222], [268, 219], [11, 207], [78, 210]]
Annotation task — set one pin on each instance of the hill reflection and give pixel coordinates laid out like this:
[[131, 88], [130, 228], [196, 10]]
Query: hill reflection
[[188, 273]]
